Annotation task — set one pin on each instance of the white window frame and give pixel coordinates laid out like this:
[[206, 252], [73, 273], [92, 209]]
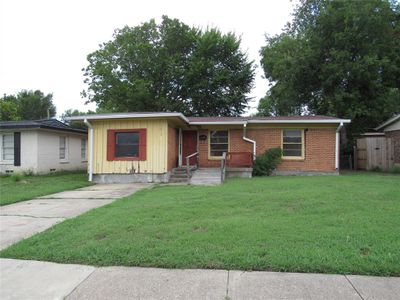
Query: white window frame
[[84, 157], [66, 158], [5, 161]]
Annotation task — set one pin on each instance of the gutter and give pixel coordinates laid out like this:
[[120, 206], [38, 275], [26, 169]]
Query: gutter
[[91, 145], [219, 123], [128, 116], [326, 121], [250, 141], [337, 146]]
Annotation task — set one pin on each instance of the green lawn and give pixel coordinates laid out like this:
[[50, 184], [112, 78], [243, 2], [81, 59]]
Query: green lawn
[[334, 224], [28, 187]]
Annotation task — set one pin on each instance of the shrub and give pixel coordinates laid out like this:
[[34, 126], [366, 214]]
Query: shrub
[[28, 173], [395, 170], [17, 177], [376, 169], [267, 162]]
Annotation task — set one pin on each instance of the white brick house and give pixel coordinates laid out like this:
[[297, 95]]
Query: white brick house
[[41, 146]]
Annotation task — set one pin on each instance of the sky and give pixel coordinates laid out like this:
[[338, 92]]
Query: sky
[[44, 43]]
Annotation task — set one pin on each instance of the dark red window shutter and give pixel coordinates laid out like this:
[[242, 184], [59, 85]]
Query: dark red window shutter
[[143, 144], [110, 144]]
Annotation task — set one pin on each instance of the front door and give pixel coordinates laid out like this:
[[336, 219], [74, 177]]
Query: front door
[[189, 146]]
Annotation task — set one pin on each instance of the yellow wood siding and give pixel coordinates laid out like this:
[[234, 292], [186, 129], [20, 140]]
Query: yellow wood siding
[[157, 145]]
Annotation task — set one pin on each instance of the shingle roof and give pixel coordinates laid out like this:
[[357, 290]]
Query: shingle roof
[[388, 122], [244, 119], [53, 124], [213, 120]]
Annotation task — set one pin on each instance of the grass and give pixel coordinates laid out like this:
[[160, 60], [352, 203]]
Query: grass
[[341, 224], [19, 187]]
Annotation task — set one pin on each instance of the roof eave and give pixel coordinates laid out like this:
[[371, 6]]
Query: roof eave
[[127, 116], [388, 122], [219, 123], [326, 121]]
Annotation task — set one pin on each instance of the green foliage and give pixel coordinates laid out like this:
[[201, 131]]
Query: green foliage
[[339, 58], [395, 170], [17, 177], [27, 105], [74, 112], [376, 169], [322, 224], [170, 67], [267, 162], [8, 108]]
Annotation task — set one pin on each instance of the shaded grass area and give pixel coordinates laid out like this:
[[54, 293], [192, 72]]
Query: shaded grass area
[[19, 187], [335, 224]]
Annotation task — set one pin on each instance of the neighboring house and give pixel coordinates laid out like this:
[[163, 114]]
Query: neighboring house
[[380, 149], [41, 146], [391, 129], [147, 147]]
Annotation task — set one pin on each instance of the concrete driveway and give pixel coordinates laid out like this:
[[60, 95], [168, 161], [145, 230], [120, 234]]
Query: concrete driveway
[[24, 219]]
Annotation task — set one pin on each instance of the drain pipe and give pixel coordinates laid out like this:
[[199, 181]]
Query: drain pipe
[[250, 141], [91, 144], [337, 146]]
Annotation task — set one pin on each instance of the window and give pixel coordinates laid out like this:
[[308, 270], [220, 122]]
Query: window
[[7, 147], [83, 149], [63, 148], [127, 144], [292, 143], [219, 142]]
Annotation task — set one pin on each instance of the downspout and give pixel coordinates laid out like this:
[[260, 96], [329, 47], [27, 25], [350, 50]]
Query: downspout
[[337, 146], [250, 141], [91, 145]]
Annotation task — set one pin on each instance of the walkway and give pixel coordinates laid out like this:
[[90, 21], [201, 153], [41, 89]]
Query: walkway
[[22, 279], [24, 219]]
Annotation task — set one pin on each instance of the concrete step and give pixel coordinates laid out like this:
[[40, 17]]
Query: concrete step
[[179, 175], [177, 180], [179, 172], [206, 176]]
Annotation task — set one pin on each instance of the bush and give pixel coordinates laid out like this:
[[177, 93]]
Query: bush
[[376, 169], [17, 177], [267, 162], [395, 170]]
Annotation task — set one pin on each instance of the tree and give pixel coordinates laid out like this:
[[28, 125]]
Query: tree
[[169, 67], [74, 112], [27, 105], [339, 58], [8, 108]]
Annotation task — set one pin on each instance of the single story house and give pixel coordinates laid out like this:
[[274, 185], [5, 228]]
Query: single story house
[[148, 147], [391, 129], [41, 146], [379, 149]]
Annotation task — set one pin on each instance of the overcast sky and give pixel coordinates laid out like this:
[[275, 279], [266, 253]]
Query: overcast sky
[[44, 43]]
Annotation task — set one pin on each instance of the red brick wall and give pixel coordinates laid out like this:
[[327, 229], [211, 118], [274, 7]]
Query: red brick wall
[[172, 148], [319, 148], [395, 136], [203, 153]]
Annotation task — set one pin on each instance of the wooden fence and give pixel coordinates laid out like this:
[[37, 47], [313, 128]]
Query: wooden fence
[[374, 152]]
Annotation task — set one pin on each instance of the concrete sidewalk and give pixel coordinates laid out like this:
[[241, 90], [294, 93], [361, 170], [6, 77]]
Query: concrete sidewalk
[[24, 219], [21, 279]]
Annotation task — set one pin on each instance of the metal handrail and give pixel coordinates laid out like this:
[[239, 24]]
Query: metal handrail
[[223, 166], [188, 165]]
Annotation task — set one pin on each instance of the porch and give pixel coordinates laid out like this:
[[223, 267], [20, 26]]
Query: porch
[[232, 164]]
